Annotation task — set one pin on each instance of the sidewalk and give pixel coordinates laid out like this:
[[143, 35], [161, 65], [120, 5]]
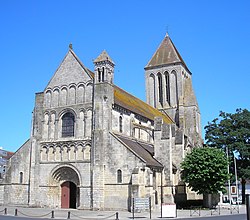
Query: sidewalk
[[122, 215]]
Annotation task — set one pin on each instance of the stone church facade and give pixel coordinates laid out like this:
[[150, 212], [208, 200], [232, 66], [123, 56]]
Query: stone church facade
[[95, 146]]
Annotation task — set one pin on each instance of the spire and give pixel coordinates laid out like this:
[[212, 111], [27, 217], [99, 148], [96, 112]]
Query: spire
[[165, 54], [103, 57]]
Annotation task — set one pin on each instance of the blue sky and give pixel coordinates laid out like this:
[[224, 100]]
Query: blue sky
[[212, 37]]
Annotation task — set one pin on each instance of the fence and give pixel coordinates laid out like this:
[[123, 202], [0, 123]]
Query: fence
[[51, 214], [141, 209], [199, 211]]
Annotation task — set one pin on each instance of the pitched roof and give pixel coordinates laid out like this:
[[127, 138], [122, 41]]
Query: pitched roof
[[140, 149], [103, 57], [136, 105], [166, 54]]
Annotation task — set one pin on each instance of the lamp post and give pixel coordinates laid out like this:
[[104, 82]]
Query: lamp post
[[161, 193], [236, 180], [229, 185]]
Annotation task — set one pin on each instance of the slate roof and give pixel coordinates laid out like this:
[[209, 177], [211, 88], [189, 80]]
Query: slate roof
[[166, 54], [142, 150]]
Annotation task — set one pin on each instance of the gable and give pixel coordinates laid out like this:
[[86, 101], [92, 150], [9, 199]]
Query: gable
[[19, 162], [71, 71]]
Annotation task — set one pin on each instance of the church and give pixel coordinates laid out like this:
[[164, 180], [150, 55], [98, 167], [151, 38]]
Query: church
[[95, 146]]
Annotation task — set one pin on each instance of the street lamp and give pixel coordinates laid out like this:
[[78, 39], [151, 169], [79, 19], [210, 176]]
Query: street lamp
[[236, 179], [229, 185]]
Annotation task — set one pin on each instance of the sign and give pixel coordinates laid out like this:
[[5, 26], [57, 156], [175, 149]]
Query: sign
[[141, 203], [168, 210]]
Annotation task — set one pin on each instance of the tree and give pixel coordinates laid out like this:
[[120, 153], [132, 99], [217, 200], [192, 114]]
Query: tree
[[205, 170], [231, 132]]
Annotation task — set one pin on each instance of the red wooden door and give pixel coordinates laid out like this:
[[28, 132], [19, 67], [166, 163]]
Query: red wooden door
[[65, 195]]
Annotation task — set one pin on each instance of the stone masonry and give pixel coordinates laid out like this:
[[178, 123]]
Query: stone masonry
[[94, 146]]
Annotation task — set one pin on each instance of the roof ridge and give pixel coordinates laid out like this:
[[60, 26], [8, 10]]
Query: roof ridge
[[179, 55], [155, 51], [166, 53]]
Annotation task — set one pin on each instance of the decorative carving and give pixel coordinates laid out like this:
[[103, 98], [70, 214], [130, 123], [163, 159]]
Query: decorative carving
[[65, 147]]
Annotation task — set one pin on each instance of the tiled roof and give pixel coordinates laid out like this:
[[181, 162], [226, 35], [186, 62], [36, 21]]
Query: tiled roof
[[140, 149], [166, 54], [136, 105]]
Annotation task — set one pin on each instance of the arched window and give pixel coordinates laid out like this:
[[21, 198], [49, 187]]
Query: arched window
[[120, 124], [21, 177], [152, 93], [167, 87], [174, 88], [119, 176], [102, 74], [68, 121], [99, 75], [160, 88], [48, 99]]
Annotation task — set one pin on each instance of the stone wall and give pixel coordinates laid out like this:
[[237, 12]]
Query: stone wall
[[118, 157], [54, 174], [18, 176], [129, 125]]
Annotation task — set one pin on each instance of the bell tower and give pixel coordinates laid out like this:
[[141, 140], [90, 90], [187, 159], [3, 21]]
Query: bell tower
[[169, 89], [104, 69], [103, 99]]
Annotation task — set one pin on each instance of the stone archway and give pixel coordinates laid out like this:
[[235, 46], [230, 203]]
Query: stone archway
[[69, 183]]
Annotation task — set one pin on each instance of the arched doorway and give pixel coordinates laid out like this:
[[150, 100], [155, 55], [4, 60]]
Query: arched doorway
[[68, 182], [68, 195]]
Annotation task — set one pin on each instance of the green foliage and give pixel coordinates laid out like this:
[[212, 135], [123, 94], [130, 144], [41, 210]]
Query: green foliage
[[232, 132], [205, 170]]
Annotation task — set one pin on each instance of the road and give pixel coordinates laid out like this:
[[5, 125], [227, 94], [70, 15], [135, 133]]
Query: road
[[2, 217], [224, 217]]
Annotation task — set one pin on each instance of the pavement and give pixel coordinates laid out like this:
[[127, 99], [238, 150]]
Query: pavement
[[113, 215]]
